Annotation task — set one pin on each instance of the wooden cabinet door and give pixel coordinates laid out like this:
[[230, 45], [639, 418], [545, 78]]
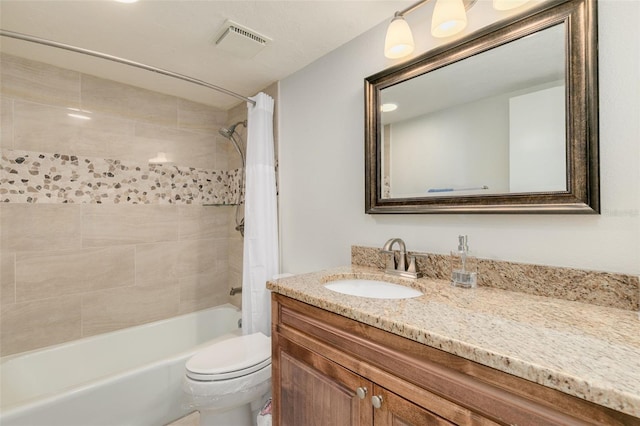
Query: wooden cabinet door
[[311, 390], [397, 411]]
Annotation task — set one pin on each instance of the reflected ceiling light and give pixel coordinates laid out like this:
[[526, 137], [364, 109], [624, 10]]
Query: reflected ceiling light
[[127, 1], [449, 18], [388, 107], [80, 116], [79, 113], [160, 158]]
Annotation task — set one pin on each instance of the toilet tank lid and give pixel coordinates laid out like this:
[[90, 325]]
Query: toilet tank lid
[[237, 353]]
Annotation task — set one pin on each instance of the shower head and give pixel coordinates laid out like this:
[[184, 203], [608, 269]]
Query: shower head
[[228, 131]]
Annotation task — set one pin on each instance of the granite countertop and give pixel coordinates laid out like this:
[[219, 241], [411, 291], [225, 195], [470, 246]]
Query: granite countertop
[[588, 351]]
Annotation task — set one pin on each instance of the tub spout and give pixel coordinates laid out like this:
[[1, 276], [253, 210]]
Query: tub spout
[[235, 290]]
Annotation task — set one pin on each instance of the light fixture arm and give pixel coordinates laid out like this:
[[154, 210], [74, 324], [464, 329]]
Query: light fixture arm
[[468, 4], [411, 8]]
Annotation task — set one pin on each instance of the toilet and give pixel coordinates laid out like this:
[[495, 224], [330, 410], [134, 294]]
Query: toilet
[[229, 381]]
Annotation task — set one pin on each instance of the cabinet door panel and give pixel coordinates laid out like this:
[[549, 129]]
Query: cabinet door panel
[[397, 411], [316, 391]]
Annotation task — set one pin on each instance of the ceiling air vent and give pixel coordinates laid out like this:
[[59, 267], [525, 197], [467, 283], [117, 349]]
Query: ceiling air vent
[[240, 41]]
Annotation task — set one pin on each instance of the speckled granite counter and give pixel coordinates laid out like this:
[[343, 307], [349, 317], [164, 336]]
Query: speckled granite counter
[[584, 350]]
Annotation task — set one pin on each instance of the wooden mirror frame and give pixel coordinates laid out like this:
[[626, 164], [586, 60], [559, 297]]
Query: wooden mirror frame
[[581, 76]]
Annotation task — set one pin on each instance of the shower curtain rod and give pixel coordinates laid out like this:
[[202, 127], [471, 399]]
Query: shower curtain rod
[[38, 40]]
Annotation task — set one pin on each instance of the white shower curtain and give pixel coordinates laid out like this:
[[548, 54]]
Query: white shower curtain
[[260, 261]]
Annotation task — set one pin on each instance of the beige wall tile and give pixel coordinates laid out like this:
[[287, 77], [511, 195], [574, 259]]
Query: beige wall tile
[[223, 147], [115, 309], [141, 149], [39, 82], [6, 123], [90, 248], [235, 251], [128, 102], [203, 291], [200, 257], [44, 128], [235, 248], [117, 224], [7, 278], [204, 222], [156, 262], [41, 275], [31, 325], [199, 117], [183, 147], [35, 227]]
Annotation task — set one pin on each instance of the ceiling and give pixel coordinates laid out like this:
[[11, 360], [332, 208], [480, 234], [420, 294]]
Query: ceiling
[[179, 36]]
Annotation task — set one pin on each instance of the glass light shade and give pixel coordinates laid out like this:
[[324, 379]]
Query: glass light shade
[[399, 40], [449, 18], [507, 4]]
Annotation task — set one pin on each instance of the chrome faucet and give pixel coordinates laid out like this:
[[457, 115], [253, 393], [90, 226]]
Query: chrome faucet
[[400, 267]]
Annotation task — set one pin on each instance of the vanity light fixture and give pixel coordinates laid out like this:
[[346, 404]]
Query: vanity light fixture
[[449, 18], [399, 40]]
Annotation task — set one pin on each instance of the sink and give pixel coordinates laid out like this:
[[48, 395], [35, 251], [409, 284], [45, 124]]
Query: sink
[[372, 289]]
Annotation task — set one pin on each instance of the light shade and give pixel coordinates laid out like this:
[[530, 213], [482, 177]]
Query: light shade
[[507, 4], [399, 40], [449, 18]]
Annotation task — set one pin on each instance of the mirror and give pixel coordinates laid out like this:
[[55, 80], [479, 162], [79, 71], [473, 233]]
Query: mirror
[[502, 122]]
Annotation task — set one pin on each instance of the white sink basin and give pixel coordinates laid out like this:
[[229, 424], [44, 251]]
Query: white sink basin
[[372, 289]]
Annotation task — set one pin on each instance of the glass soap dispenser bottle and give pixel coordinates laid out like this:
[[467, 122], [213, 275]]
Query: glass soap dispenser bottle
[[464, 267]]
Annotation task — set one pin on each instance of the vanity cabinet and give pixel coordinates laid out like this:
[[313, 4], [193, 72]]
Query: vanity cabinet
[[315, 390], [332, 370]]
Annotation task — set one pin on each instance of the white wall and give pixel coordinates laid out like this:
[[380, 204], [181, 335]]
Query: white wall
[[436, 151], [322, 166], [537, 147]]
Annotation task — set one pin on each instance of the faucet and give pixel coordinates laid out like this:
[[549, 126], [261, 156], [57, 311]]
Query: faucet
[[400, 267]]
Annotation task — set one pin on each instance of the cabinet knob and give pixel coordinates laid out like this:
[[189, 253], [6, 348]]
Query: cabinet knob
[[361, 392], [376, 401]]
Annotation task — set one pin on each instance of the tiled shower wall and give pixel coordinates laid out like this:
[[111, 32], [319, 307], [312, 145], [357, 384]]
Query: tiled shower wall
[[93, 237]]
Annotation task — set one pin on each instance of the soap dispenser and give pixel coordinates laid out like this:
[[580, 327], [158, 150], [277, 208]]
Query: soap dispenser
[[464, 267]]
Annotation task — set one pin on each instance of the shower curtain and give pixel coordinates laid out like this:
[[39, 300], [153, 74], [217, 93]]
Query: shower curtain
[[260, 262]]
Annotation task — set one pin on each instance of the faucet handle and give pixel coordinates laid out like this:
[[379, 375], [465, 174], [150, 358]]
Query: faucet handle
[[391, 259], [412, 264]]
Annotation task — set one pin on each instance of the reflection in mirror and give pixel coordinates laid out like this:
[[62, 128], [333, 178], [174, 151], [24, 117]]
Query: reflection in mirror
[[502, 121], [489, 124]]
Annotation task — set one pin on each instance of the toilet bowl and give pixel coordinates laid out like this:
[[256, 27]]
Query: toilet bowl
[[229, 381]]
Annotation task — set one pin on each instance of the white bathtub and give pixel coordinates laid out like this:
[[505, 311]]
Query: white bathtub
[[127, 377]]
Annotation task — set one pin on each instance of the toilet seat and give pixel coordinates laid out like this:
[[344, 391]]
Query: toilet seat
[[231, 358]]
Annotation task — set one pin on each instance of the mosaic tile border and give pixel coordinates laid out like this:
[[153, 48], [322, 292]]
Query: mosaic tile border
[[33, 177], [593, 287]]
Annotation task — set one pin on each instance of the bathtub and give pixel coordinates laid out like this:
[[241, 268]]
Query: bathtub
[[126, 377]]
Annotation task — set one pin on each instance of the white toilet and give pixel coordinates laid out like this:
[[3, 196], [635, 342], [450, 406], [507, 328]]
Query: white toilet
[[229, 381]]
